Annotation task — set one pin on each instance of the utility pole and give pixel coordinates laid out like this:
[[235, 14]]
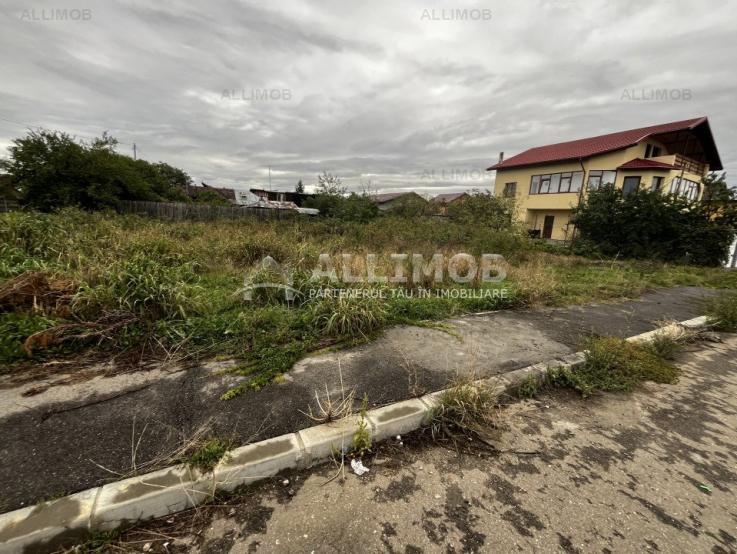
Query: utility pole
[[134, 150], [269, 177]]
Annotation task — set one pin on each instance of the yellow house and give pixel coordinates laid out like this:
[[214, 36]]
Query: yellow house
[[548, 181]]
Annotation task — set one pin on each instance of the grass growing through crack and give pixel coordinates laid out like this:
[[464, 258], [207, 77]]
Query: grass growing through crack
[[208, 455], [466, 407], [665, 346], [361, 444], [614, 365], [722, 312]]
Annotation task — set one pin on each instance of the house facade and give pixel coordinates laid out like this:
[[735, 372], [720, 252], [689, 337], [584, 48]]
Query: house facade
[[549, 181]]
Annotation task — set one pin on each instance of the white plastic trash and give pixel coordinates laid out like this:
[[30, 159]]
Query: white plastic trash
[[358, 467]]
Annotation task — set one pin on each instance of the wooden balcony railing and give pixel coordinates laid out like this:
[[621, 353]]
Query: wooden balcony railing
[[687, 164]]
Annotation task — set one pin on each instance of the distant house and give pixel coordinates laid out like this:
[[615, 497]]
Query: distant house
[[448, 199], [391, 200], [550, 181], [205, 191], [298, 198]]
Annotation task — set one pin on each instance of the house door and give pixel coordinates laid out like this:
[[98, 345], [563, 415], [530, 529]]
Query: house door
[[548, 226]]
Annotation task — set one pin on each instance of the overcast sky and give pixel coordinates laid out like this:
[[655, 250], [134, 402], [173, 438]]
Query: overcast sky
[[401, 95]]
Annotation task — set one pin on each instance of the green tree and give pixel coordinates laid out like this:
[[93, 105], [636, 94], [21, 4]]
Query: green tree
[[484, 209], [300, 188], [49, 169]]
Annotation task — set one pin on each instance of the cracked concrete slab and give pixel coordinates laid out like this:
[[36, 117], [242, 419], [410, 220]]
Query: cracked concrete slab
[[650, 471]]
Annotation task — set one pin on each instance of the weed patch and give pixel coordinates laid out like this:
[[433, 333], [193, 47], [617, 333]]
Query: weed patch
[[664, 346], [613, 364], [347, 316], [361, 444], [208, 455], [722, 312], [467, 407]]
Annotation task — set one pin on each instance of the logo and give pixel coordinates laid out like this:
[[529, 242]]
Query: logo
[[411, 275], [270, 267]]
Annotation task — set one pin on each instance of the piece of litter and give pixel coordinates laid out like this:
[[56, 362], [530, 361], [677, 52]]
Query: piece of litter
[[399, 437], [358, 467], [705, 488], [285, 482], [147, 547]]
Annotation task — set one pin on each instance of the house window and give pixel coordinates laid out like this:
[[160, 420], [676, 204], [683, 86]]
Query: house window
[[576, 181], [656, 152], [544, 184], [685, 187], [631, 184], [656, 184], [600, 177], [510, 190], [556, 183], [535, 184], [648, 150]]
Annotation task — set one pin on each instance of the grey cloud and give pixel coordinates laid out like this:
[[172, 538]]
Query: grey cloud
[[376, 93]]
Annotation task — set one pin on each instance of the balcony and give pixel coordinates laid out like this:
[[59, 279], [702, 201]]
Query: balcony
[[685, 163], [689, 165]]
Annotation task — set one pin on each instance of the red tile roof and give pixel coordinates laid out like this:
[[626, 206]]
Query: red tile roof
[[449, 197], [584, 148], [642, 163]]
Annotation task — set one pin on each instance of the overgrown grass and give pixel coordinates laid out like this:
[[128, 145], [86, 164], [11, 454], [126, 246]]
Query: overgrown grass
[[722, 312], [181, 284], [614, 364], [466, 407]]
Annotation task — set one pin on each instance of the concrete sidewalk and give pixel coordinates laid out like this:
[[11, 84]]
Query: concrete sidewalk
[[651, 471], [59, 440]]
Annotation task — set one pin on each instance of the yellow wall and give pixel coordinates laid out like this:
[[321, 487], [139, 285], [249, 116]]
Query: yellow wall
[[533, 207]]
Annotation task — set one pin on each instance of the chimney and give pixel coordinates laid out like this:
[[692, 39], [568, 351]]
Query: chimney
[[501, 157]]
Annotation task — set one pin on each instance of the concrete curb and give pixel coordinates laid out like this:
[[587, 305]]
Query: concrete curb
[[173, 489]]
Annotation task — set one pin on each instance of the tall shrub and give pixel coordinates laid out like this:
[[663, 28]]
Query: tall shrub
[[651, 225]]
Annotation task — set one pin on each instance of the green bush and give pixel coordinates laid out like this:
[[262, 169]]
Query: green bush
[[354, 207], [485, 210], [651, 225]]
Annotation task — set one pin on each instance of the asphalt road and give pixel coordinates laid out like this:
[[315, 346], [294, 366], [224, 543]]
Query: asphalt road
[[650, 471], [63, 434]]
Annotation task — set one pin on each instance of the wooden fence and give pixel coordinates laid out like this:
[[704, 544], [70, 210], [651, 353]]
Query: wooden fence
[[8, 205], [200, 212]]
